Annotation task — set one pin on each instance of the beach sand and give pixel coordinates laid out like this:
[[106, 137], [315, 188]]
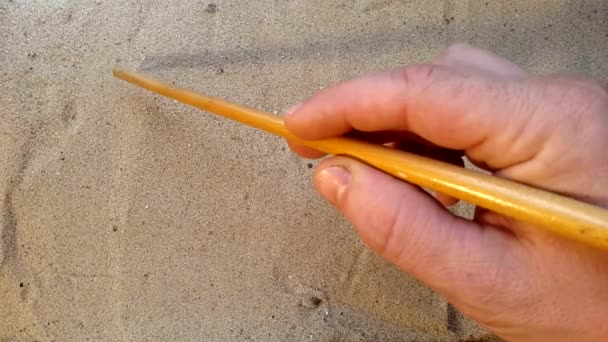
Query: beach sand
[[126, 216]]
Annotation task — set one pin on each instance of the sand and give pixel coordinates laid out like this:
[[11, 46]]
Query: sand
[[126, 216]]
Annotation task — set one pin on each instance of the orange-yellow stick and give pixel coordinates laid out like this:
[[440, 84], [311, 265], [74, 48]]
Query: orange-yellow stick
[[562, 215]]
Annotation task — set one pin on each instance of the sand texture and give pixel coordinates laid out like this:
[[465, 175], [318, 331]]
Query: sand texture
[[128, 217]]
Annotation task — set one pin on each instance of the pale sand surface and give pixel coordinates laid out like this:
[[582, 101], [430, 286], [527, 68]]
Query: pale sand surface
[[126, 216]]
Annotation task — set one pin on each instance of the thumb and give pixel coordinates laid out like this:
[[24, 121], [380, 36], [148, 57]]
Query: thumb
[[407, 226]]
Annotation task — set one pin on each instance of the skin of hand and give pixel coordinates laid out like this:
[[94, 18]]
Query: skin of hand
[[518, 281]]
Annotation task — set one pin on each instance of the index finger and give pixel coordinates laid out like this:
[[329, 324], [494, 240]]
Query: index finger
[[449, 109]]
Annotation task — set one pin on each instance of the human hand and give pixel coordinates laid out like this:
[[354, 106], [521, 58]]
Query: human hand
[[520, 282]]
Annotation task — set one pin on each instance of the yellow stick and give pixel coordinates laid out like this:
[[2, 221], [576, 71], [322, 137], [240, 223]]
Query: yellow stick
[[562, 215]]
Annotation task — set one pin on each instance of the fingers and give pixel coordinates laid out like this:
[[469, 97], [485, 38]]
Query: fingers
[[476, 112], [412, 99], [432, 101], [402, 223], [374, 101]]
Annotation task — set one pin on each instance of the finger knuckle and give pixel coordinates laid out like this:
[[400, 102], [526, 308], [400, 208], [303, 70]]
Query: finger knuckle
[[574, 90], [389, 225], [406, 240], [453, 51], [458, 48], [420, 74], [576, 98], [390, 222]]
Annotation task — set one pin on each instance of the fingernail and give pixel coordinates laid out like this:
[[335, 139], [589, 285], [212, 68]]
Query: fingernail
[[292, 109], [332, 183]]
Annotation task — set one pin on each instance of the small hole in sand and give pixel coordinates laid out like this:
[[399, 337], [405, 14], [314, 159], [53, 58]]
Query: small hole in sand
[[211, 8]]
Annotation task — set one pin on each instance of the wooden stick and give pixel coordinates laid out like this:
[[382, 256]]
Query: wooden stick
[[562, 215]]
